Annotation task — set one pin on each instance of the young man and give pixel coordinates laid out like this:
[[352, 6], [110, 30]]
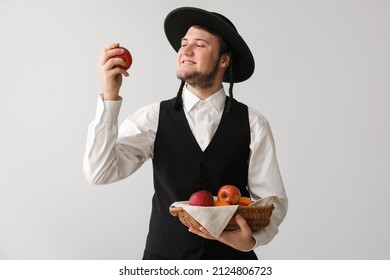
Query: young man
[[201, 139]]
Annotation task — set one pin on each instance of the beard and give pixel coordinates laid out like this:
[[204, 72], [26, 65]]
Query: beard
[[198, 79]]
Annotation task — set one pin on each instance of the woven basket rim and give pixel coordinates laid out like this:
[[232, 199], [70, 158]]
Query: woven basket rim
[[247, 211], [178, 209]]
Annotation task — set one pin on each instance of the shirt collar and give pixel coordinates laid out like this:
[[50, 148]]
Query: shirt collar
[[217, 100]]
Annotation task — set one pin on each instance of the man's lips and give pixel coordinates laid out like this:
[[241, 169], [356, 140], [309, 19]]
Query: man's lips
[[188, 62]]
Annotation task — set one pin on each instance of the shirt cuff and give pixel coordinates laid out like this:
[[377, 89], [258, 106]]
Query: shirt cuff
[[252, 247], [108, 111]]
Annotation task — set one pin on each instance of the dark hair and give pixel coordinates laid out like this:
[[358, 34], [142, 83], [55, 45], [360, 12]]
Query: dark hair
[[223, 49]]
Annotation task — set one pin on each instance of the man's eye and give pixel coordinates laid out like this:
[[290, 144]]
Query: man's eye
[[200, 46]]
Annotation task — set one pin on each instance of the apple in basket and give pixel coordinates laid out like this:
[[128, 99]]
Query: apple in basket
[[229, 193], [201, 198]]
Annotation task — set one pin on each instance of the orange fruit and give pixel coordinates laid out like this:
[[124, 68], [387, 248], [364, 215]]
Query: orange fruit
[[221, 203], [245, 201]]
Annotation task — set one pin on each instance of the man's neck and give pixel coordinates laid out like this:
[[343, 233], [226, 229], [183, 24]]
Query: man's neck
[[204, 93]]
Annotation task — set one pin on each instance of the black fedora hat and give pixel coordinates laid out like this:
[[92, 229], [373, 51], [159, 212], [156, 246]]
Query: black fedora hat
[[178, 22]]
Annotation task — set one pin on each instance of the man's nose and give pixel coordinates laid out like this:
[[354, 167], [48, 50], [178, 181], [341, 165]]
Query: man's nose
[[188, 49]]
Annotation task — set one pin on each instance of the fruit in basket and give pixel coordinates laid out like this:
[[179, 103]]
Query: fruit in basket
[[229, 193], [126, 56], [221, 203], [201, 198], [244, 201]]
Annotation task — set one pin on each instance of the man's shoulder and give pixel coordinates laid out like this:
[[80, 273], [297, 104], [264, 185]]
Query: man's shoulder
[[257, 120], [153, 109], [254, 114], [146, 112], [166, 102]]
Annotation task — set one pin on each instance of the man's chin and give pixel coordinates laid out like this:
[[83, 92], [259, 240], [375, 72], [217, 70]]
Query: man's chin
[[184, 75], [197, 79]]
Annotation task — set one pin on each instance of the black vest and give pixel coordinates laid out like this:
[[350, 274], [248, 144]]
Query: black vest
[[180, 168]]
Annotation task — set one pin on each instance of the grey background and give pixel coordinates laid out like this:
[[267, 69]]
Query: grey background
[[321, 79]]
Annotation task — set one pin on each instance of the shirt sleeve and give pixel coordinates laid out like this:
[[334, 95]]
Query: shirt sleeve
[[264, 177], [115, 152]]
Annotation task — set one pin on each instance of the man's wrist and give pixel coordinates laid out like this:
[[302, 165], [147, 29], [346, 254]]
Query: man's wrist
[[106, 97]]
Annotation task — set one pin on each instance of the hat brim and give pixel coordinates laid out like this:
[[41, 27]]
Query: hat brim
[[178, 22]]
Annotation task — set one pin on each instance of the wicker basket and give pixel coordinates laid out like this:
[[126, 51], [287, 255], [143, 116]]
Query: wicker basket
[[257, 217]]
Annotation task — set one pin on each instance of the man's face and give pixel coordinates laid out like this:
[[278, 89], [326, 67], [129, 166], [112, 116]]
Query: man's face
[[199, 61]]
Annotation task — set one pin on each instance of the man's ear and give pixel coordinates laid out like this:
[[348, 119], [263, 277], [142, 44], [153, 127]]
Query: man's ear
[[225, 60]]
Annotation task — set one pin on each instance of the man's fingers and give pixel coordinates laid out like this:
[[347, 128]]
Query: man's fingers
[[201, 232], [109, 52], [242, 223], [111, 46], [113, 62]]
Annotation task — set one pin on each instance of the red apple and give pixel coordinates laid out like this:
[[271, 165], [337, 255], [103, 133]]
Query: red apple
[[201, 198], [230, 194], [126, 56]]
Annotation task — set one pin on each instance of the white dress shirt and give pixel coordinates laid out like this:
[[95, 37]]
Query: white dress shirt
[[113, 153]]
